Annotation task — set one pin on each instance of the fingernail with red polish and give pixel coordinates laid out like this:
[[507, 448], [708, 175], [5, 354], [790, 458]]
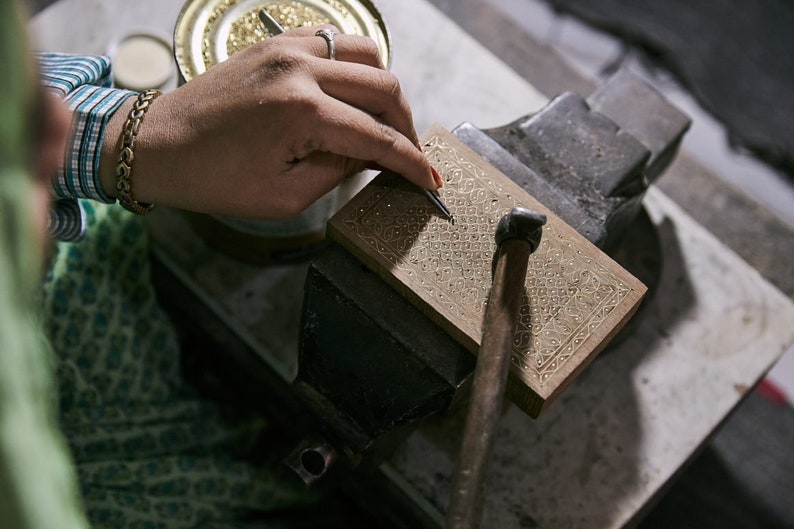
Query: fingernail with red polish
[[436, 177]]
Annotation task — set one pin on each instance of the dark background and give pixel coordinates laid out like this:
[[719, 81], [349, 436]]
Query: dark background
[[735, 56]]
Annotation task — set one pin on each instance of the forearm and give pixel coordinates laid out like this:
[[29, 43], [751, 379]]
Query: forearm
[[268, 132], [156, 157]]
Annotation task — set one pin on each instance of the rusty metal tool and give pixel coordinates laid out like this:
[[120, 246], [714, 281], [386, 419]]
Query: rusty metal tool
[[518, 234]]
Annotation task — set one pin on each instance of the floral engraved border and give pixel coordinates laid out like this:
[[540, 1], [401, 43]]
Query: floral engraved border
[[569, 295]]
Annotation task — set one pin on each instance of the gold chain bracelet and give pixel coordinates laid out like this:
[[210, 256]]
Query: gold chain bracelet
[[127, 156]]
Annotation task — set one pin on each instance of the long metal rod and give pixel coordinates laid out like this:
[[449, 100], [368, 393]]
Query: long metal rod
[[490, 378]]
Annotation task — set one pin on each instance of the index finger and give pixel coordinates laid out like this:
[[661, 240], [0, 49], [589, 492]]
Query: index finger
[[353, 133]]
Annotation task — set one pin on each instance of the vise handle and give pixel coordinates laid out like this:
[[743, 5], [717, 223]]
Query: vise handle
[[517, 236]]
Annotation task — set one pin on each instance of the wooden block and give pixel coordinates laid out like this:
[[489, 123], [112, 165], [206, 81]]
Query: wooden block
[[576, 299]]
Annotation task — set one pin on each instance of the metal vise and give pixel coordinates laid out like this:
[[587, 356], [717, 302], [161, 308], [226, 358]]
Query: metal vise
[[372, 365]]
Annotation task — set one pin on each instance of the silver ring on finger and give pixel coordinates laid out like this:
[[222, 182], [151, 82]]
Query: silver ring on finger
[[328, 35]]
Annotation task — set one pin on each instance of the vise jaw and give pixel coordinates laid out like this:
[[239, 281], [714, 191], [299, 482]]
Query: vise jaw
[[372, 365], [589, 161]]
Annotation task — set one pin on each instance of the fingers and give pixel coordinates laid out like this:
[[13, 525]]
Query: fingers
[[359, 79], [376, 92], [353, 133], [360, 113], [349, 48], [309, 31]]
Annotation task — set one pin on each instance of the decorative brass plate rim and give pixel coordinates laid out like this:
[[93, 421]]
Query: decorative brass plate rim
[[206, 29]]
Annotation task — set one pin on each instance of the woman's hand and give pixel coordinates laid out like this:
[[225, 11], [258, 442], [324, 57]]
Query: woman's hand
[[269, 131]]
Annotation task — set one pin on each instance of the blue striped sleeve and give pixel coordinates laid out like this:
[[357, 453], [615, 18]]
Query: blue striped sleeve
[[84, 82], [91, 108], [62, 72], [67, 220]]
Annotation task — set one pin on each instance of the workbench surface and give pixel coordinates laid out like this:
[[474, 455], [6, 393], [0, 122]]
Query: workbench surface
[[616, 437]]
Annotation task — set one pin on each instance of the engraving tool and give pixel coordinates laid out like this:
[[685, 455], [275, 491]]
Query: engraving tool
[[435, 198], [272, 26], [270, 23], [517, 236]]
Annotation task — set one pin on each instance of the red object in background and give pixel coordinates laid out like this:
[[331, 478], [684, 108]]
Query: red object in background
[[771, 392]]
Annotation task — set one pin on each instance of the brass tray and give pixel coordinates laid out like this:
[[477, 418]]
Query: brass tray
[[210, 31]]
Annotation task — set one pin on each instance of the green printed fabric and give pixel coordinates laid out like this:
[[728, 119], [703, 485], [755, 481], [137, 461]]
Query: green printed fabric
[[37, 483], [149, 451]]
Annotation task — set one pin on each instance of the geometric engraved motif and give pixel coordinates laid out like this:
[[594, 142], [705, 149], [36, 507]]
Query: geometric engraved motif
[[576, 296]]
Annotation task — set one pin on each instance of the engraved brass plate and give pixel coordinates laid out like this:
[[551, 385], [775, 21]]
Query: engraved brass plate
[[576, 298]]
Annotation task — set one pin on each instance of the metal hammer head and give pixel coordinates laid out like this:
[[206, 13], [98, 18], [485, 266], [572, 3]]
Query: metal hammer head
[[523, 224]]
